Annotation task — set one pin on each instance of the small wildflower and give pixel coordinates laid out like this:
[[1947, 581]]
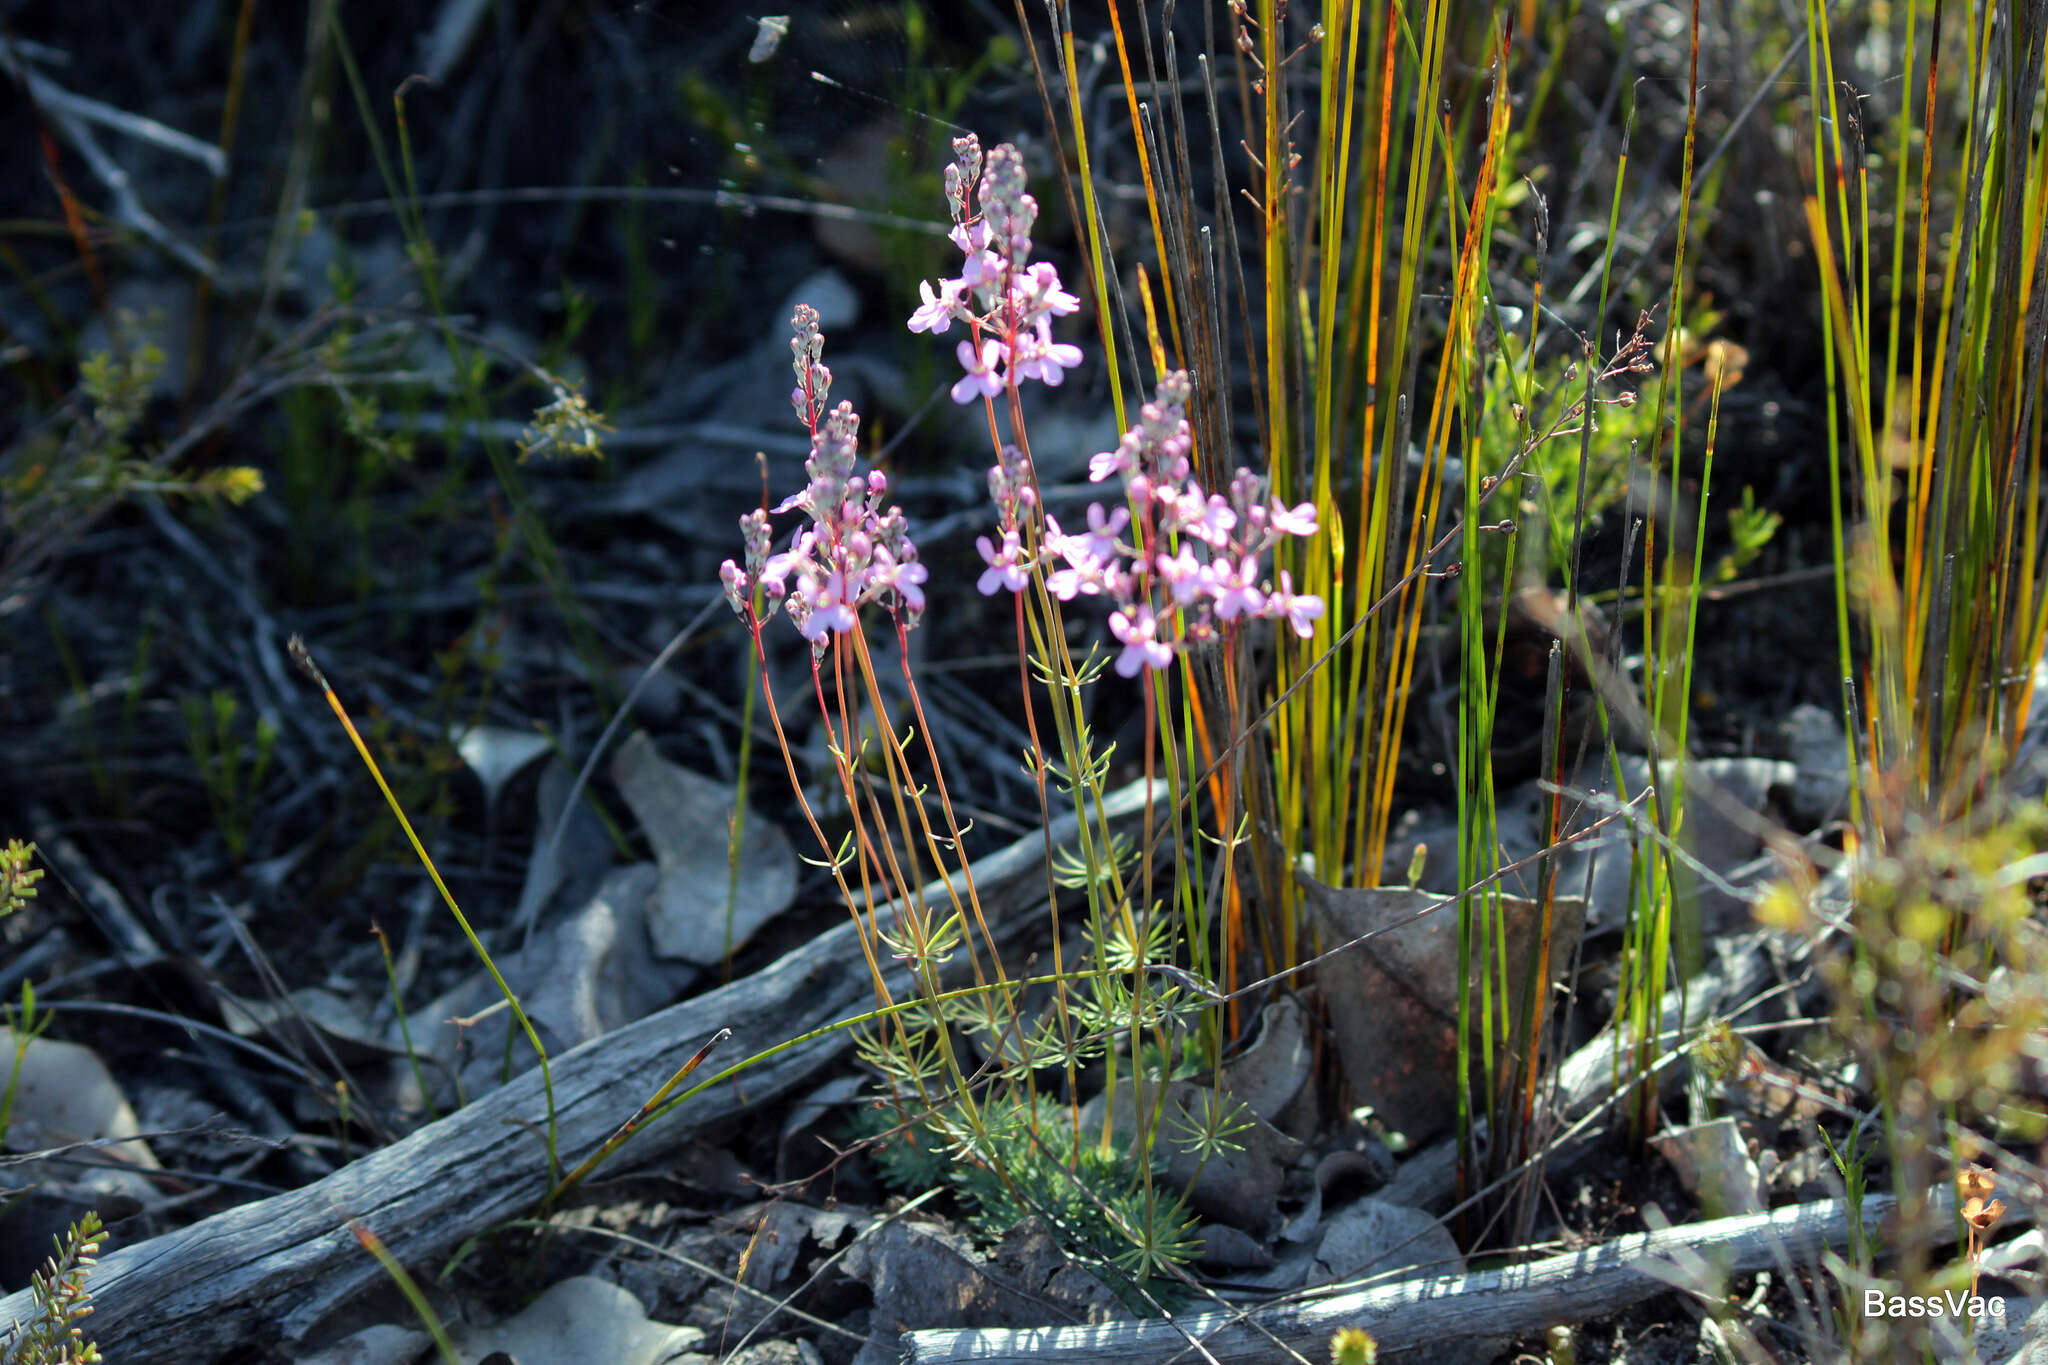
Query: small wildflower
[[1040, 357], [1299, 520], [813, 380], [1138, 632], [1008, 299], [981, 379], [1111, 463], [1353, 1346], [826, 603], [855, 551], [1208, 519], [1006, 567], [1044, 294], [1186, 577], [1300, 610], [1237, 593], [940, 306], [1104, 528], [1083, 579], [1009, 485], [777, 570], [1980, 1215], [905, 579], [239, 483], [1087, 557]]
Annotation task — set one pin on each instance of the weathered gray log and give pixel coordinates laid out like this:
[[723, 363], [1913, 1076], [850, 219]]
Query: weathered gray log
[[1421, 1313], [274, 1269]]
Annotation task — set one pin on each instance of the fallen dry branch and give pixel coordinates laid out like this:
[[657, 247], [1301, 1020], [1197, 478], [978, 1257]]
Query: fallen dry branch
[[1427, 1312], [275, 1268]]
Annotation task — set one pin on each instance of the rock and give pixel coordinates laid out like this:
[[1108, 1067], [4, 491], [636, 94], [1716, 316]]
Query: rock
[[656, 698], [1427, 1179], [1266, 1076], [385, 1344], [1819, 753], [1340, 1177], [569, 869], [1373, 1237], [580, 1321], [1710, 835], [1241, 1186], [2017, 1336], [923, 1275], [582, 977], [1226, 1248], [777, 1242], [1394, 997], [836, 301], [1028, 1256], [63, 1094], [1712, 1161], [309, 1021], [687, 819], [2022, 1261], [1381, 1242], [801, 1142]]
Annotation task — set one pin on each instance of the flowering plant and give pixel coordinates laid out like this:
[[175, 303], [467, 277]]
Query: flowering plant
[[1166, 593], [1192, 563], [1010, 326], [1176, 563], [855, 551]]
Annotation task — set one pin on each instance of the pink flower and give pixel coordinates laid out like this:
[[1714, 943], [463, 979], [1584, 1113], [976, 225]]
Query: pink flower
[[939, 306], [1298, 521], [1044, 359], [1206, 519], [1067, 584], [1006, 567], [1186, 577], [828, 606], [1139, 632], [983, 269], [1043, 293], [1104, 528], [970, 237], [1111, 462], [1300, 610], [795, 559], [1086, 556], [907, 579], [981, 380], [1237, 590]]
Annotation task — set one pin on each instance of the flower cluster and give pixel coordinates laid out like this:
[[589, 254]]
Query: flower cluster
[[1187, 561], [1007, 302], [855, 550]]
